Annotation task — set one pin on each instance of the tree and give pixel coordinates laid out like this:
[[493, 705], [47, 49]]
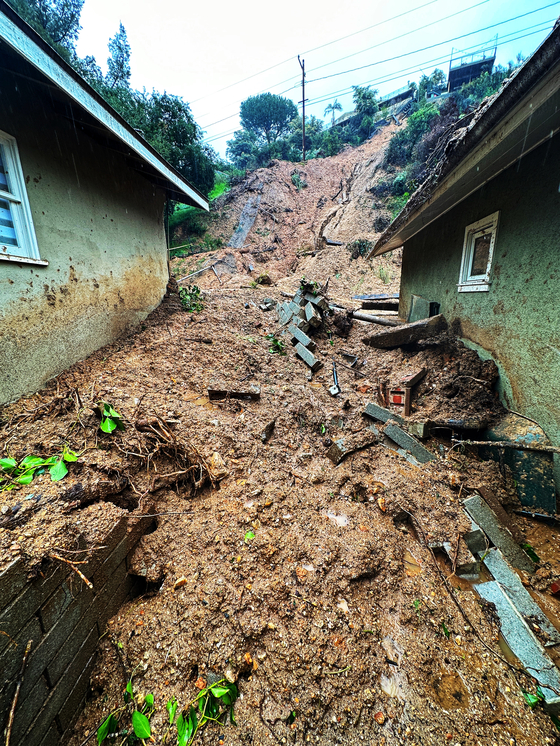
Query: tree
[[58, 21], [268, 116], [332, 108], [118, 64], [365, 100]]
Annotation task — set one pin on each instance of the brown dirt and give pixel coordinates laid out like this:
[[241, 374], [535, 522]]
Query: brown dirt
[[323, 613]]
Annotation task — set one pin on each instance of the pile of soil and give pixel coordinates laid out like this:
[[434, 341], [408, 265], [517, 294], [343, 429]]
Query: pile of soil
[[310, 585]]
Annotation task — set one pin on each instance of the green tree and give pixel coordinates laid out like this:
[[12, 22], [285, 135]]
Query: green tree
[[365, 100], [58, 21], [332, 108], [118, 64], [268, 116]]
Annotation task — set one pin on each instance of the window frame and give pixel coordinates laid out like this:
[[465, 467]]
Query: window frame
[[469, 283], [27, 249]]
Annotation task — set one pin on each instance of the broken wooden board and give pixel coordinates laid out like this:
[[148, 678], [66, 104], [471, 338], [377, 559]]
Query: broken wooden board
[[407, 333], [413, 378], [381, 320], [215, 394], [381, 304]]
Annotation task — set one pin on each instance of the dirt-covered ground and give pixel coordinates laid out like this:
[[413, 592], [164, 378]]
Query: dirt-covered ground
[[335, 620], [309, 585]]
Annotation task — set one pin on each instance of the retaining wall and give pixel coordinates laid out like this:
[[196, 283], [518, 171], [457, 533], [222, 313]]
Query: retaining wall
[[65, 620]]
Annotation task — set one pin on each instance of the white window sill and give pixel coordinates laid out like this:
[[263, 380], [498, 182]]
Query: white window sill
[[23, 260], [473, 287]]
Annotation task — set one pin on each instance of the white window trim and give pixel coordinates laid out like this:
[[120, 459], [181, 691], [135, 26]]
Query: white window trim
[[477, 283], [28, 250]]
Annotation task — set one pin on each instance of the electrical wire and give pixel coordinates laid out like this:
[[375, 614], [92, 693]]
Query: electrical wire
[[396, 76]]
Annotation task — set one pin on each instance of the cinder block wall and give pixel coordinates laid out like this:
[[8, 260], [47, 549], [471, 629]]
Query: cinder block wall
[[65, 620]]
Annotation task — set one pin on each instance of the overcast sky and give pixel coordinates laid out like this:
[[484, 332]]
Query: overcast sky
[[215, 55]]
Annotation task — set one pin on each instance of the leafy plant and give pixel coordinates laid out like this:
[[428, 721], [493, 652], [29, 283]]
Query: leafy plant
[[384, 275], [139, 719], [276, 345], [110, 418], [13, 474], [445, 631], [298, 182], [416, 604], [191, 298], [359, 248]]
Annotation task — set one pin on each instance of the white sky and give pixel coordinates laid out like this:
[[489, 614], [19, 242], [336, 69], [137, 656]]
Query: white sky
[[195, 50]]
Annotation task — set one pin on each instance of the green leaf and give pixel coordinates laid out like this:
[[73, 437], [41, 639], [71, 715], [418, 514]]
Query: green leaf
[[141, 725], [531, 552], [445, 630], [26, 478], [32, 461], [149, 700], [69, 455], [108, 425], [109, 725], [232, 717], [128, 692], [110, 412], [249, 536], [186, 727], [531, 699], [58, 471], [219, 691], [171, 708], [8, 463]]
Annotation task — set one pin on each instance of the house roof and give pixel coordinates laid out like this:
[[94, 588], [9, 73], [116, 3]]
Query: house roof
[[26, 53], [505, 127]]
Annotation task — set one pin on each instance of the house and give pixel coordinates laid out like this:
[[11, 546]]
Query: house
[[481, 237], [83, 251]]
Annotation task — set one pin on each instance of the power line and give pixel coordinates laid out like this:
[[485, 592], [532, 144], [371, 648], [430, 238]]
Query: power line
[[322, 46], [396, 76], [406, 54]]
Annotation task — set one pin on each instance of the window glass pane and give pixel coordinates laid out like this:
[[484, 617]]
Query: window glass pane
[[4, 185], [7, 230], [481, 252]]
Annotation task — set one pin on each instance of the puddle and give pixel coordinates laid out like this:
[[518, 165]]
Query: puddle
[[412, 566], [338, 520], [507, 652], [198, 400]]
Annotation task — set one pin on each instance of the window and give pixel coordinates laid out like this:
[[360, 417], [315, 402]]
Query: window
[[478, 248], [17, 234]]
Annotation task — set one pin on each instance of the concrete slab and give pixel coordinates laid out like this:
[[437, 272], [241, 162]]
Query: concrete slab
[[382, 414], [299, 336], [485, 517], [410, 444], [407, 333], [308, 357], [524, 644], [312, 315], [475, 539], [524, 603], [317, 300]]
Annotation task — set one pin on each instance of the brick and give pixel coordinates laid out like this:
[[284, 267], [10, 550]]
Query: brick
[[410, 444], [317, 300], [86, 626], [17, 614], [114, 602], [104, 573], [296, 310], [51, 703], [312, 315], [27, 711], [382, 414], [485, 517], [308, 357], [52, 737], [12, 580], [299, 336], [109, 543], [301, 324], [284, 314], [49, 647], [55, 605], [72, 707], [10, 663]]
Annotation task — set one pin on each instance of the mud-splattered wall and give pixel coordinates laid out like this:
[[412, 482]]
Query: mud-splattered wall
[[99, 224], [518, 320]]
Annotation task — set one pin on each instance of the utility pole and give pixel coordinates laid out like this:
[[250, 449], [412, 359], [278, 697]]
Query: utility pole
[[303, 100]]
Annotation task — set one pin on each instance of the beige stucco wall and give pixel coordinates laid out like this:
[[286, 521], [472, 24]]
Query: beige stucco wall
[[98, 223]]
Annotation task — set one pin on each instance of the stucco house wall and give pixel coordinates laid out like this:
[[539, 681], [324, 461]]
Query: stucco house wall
[[518, 320], [99, 224]]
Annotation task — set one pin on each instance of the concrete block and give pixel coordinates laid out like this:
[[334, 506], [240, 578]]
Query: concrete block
[[475, 538], [52, 737], [104, 573], [72, 707], [284, 314], [337, 452], [29, 710], [10, 663], [419, 429], [114, 602], [301, 324], [296, 310], [85, 644], [523, 601], [382, 414], [410, 444], [312, 315], [110, 542], [465, 562], [524, 644], [308, 357], [299, 336], [480, 512], [316, 300]]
